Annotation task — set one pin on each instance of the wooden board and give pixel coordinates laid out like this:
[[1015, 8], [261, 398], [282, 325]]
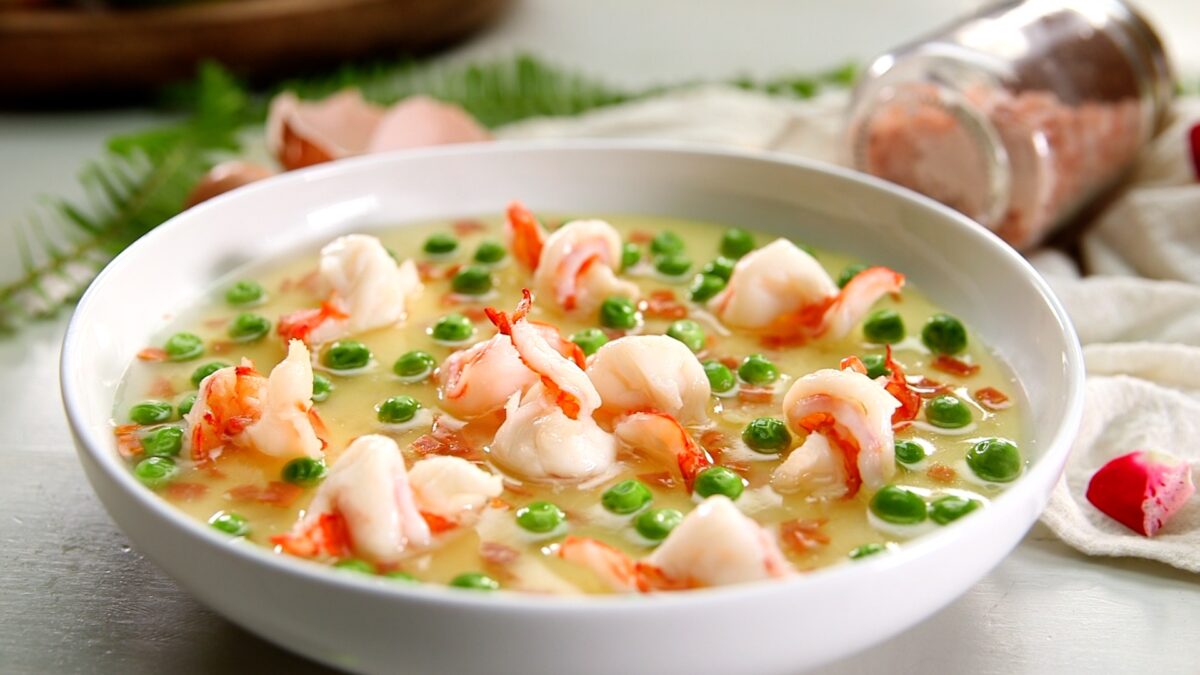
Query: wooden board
[[68, 53]]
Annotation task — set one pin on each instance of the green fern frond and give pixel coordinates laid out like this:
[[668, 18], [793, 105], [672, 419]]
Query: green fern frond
[[145, 177]]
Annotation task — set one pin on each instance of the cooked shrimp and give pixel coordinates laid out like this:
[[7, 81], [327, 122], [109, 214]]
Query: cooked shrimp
[[782, 291], [548, 432], [578, 266], [855, 414], [452, 487], [367, 290], [814, 469], [657, 372], [368, 490], [715, 545], [661, 437], [525, 235], [476, 381], [382, 509], [285, 428], [236, 406]]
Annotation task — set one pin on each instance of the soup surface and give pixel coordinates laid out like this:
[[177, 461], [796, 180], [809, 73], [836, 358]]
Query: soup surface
[[864, 489]]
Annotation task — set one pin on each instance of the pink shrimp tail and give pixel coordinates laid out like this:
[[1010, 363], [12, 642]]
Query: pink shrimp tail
[[525, 234]]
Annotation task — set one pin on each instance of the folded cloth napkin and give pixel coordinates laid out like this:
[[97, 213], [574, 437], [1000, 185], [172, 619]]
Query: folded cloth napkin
[[1137, 314]]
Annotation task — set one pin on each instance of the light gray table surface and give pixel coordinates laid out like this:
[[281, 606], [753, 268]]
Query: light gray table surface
[[75, 598]]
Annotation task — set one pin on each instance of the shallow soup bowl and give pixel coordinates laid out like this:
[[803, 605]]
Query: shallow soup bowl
[[370, 625]]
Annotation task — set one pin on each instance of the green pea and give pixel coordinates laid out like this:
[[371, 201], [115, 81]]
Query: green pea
[[355, 565], [950, 508], [866, 550], [665, 243], [476, 581], [718, 480], [414, 365], [895, 504], [720, 267], [230, 523], [628, 496], [440, 243], [672, 264], [346, 355], [909, 452], [205, 370], [705, 286], [249, 327], [618, 312], [767, 435], [995, 460], [849, 272], [656, 524], [163, 442], [186, 403], [150, 412], [688, 332], [453, 328], [720, 377], [184, 346], [244, 293], [304, 471], [947, 412], [736, 243], [876, 365], [472, 280], [589, 340], [155, 472], [630, 255], [397, 409], [401, 576], [490, 252], [884, 326], [540, 517], [322, 387], [944, 334], [758, 369]]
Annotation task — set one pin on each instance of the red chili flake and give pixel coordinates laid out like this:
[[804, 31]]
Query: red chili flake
[[498, 503], [660, 478], [941, 473], [640, 237], [442, 440], [152, 354], [186, 492], [275, 493], [476, 314], [661, 304], [729, 362], [992, 399], [804, 534], [748, 394], [451, 270], [427, 271], [495, 553], [949, 364], [310, 282], [613, 333], [161, 388], [129, 445], [217, 322], [468, 226], [1194, 144], [928, 388]]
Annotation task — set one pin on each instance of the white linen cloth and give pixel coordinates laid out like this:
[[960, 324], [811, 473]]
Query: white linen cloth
[[1137, 312]]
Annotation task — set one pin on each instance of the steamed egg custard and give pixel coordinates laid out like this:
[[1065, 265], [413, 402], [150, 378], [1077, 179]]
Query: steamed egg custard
[[622, 405]]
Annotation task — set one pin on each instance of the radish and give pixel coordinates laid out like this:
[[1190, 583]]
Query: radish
[[1141, 490]]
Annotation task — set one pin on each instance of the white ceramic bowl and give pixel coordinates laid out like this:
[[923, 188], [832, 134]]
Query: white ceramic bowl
[[367, 625]]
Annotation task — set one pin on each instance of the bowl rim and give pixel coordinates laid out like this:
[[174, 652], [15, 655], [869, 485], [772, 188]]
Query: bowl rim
[[1052, 457]]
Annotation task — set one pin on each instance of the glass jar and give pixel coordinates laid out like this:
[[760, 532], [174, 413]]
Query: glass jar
[[1018, 115]]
